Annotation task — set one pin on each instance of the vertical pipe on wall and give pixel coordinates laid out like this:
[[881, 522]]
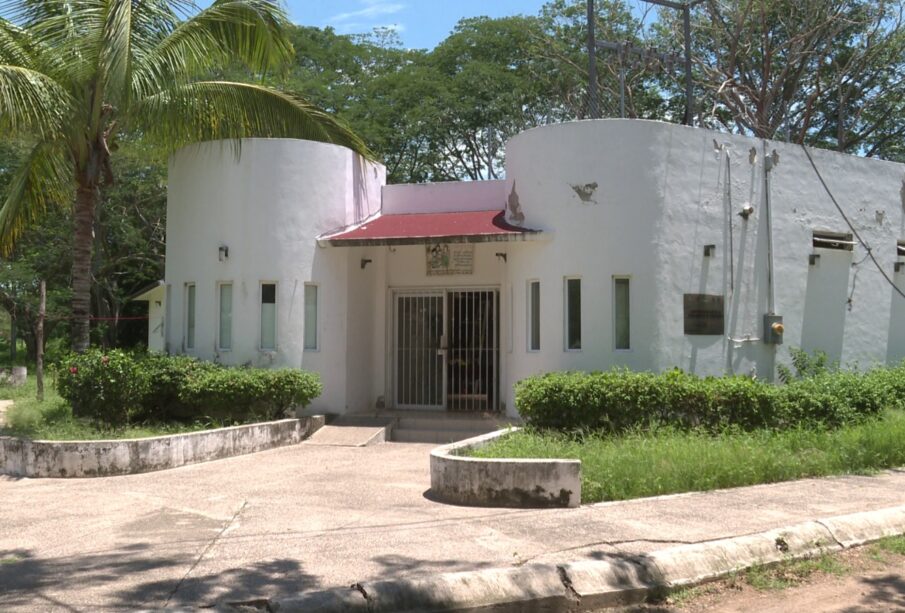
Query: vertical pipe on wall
[[771, 292]]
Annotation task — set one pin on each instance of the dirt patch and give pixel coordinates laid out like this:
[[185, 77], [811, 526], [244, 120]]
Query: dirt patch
[[868, 579]]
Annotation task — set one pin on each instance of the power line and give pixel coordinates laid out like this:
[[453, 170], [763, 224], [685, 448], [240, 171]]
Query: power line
[[864, 244]]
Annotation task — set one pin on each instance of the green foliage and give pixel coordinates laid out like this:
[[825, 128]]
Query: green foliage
[[267, 394], [621, 400], [117, 388], [667, 460], [805, 365], [105, 386]]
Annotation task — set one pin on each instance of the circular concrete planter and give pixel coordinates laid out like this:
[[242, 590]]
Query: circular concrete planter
[[27, 458], [461, 479]]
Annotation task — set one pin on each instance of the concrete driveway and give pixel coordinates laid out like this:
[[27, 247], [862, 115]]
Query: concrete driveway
[[311, 517]]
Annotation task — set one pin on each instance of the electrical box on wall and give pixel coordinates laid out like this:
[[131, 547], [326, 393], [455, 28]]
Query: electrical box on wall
[[773, 329]]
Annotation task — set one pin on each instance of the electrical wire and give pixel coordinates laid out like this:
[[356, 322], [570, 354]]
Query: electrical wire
[[864, 244]]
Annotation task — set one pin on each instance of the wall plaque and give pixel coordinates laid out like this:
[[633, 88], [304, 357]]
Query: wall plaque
[[703, 314], [450, 259]]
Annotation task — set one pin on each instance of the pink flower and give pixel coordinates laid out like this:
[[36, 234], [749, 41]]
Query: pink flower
[[73, 369]]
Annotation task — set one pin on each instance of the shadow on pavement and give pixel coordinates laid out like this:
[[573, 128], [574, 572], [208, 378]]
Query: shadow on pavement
[[886, 593], [29, 582]]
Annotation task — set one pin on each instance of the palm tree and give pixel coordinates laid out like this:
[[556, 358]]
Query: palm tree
[[76, 74]]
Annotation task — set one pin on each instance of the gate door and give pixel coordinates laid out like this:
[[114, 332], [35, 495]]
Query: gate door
[[420, 377]]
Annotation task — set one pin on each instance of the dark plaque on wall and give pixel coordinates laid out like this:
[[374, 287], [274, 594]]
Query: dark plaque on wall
[[703, 314]]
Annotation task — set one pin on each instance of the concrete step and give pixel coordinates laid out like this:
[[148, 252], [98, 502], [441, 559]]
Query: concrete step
[[441, 422], [430, 435]]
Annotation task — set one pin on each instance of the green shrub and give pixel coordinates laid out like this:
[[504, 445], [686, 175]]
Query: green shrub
[[106, 386], [166, 376], [119, 388], [620, 400], [226, 393]]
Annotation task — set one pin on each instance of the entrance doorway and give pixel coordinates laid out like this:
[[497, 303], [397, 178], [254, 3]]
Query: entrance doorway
[[447, 350]]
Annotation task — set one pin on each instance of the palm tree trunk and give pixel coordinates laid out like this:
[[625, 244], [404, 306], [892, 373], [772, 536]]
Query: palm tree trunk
[[85, 203]]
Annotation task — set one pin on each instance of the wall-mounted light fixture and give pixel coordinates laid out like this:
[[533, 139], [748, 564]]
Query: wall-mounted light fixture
[[709, 250], [364, 262], [223, 253], [502, 256], [746, 211]]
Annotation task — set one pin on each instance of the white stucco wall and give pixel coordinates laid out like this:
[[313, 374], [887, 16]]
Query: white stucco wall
[[660, 197], [444, 197], [267, 205]]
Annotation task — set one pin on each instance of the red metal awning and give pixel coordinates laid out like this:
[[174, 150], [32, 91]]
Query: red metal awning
[[423, 228]]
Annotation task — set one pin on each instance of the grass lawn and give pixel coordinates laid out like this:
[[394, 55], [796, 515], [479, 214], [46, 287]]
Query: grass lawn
[[668, 461], [53, 419]]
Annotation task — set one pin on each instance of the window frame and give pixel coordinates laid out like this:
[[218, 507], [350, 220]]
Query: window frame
[[276, 310], [628, 280], [530, 314], [220, 284], [190, 315], [565, 312], [317, 318]]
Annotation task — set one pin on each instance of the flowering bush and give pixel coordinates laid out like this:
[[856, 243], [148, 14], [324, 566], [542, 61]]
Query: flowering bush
[[103, 385]]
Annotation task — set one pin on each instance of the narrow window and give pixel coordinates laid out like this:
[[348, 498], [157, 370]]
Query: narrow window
[[573, 314], [533, 315], [621, 310], [189, 315], [311, 317], [833, 240], [269, 316], [225, 338]]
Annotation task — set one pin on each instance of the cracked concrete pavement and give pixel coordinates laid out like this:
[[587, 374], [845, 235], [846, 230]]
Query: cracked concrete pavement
[[311, 517]]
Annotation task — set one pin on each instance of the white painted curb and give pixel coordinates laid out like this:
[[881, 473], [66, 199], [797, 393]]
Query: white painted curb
[[591, 584], [502, 482]]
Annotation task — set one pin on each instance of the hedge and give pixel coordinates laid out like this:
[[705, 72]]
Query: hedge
[[116, 388], [620, 400]]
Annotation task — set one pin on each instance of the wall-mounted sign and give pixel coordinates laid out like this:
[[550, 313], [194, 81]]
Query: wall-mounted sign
[[703, 314], [450, 259]]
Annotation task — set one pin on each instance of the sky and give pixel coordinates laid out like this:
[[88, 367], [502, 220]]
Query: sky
[[419, 23]]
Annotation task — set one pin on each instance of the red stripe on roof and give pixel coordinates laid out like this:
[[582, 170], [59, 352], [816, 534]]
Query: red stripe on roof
[[423, 227]]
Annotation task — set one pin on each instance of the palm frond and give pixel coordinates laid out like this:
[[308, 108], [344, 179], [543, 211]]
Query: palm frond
[[12, 45], [251, 31], [214, 110], [115, 55], [31, 102], [43, 179]]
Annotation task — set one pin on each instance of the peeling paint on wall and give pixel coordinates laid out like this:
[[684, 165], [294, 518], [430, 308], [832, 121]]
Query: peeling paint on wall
[[585, 192]]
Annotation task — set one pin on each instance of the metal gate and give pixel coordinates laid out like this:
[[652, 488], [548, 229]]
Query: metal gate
[[420, 364], [447, 350]]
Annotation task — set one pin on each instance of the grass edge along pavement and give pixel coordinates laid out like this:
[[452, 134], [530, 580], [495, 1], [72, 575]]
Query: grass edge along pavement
[[669, 461]]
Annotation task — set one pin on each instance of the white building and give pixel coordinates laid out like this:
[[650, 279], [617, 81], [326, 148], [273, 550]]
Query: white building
[[611, 242]]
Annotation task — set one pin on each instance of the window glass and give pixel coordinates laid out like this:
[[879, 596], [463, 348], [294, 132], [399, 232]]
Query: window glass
[[573, 314], [621, 313], [310, 317], [268, 316], [190, 316], [225, 339], [534, 315]]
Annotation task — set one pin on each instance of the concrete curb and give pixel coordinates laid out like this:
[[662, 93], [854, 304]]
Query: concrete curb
[[591, 584], [27, 458], [503, 482]]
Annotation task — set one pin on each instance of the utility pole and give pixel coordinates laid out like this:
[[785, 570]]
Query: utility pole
[[592, 64], [39, 361], [685, 7]]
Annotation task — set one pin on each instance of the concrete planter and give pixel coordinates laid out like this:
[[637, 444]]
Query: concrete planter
[[27, 458], [460, 479]]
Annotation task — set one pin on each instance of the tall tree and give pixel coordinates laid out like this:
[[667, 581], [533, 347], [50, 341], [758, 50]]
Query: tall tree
[[825, 72], [75, 74]]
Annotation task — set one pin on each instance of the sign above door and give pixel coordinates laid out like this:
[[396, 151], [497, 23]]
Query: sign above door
[[450, 259]]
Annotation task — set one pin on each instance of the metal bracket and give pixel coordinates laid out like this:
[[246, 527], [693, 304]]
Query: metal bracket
[[813, 258]]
